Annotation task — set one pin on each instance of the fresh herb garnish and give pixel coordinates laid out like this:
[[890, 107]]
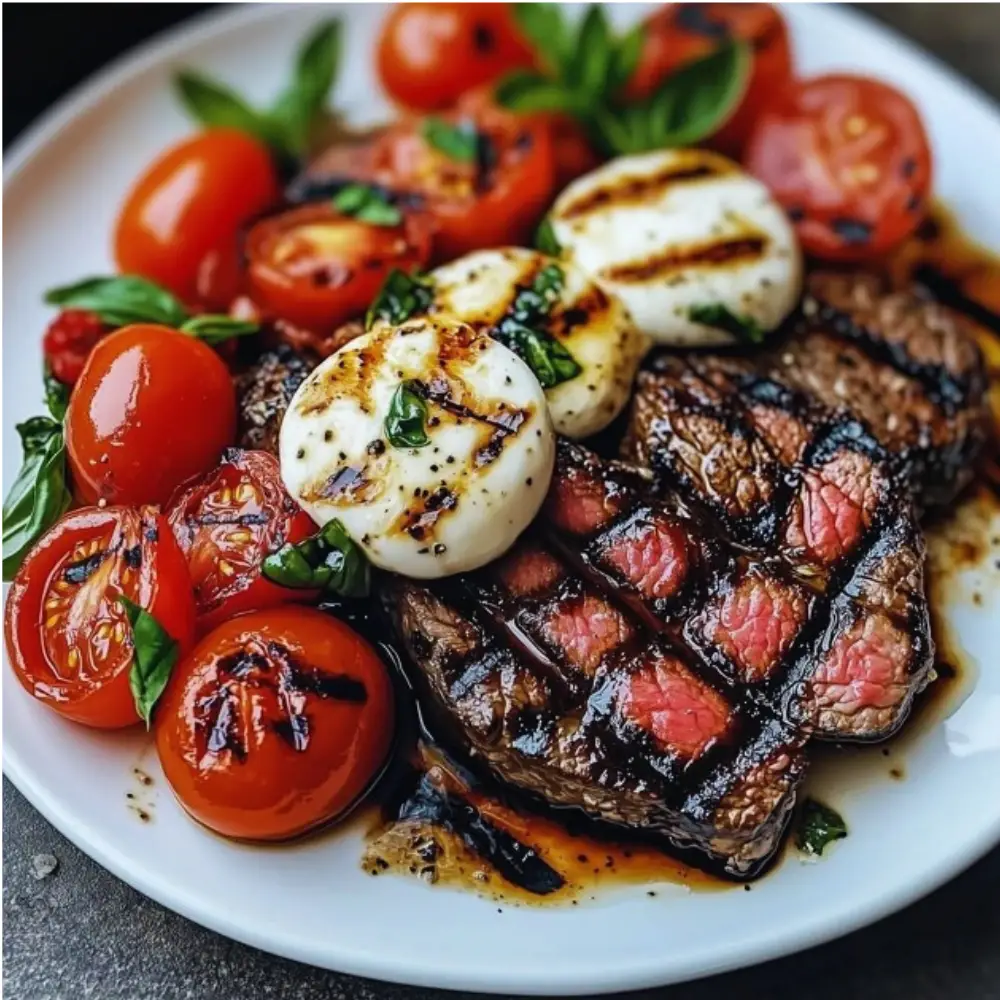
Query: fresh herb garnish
[[458, 142], [289, 124], [545, 239], [329, 561], [367, 204], [720, 317], [819, 825], [405, 423], [216, 329], [56, 394], [154, 654], [39, 495], [401, 296]]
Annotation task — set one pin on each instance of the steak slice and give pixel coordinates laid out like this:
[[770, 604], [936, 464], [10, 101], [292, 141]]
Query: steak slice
[[263, 393]]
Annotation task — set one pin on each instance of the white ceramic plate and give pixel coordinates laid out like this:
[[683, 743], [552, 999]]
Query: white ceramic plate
[[63, 184]]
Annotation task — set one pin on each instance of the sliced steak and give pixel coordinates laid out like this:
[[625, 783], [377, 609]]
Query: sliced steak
[[263, 393]]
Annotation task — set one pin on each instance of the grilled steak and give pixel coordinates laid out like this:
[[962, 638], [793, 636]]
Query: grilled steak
[[263, 393]]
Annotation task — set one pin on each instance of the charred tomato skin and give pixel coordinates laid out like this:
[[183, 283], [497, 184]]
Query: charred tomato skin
[[276, 723], [79, 666], [226, 524], [152, 409]]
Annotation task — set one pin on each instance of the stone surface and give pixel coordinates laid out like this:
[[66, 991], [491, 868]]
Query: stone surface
[[78, 932]]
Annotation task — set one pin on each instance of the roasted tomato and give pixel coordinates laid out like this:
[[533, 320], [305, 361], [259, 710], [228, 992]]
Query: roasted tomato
[[152, 409], [68, 637], [318, 268], [430, 54], [189, 204], [678, 33], [849, 159], [275, 723], [68, 341], [226, 524], [488, 188]]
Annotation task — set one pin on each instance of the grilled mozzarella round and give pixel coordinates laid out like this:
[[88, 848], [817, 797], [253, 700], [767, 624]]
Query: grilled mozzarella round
[[430, 442], [686, 240], [482, 289]]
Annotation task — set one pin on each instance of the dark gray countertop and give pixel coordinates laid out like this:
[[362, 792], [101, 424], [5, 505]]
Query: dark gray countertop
[[79, 932]]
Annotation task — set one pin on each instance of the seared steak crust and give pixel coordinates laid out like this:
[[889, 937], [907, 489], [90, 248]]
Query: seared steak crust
[[263, 393]]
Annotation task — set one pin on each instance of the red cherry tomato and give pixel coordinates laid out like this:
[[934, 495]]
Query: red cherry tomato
[[68, 342], [849, 159], [678, 33], [152, 409], [430, 54], [189, 203], [226, 524], [317, 268], [68, 637], [275, 723]]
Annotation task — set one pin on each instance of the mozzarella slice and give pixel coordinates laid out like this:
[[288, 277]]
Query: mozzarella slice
[[595, 329], [678, 230], [451, 505]]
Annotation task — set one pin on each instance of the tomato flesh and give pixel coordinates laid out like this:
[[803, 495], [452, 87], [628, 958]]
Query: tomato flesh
[[67, 635], [275, 723], [68, 341], [227, 524]]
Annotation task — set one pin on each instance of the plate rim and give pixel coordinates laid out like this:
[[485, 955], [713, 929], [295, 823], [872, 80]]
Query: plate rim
[[384, 966]]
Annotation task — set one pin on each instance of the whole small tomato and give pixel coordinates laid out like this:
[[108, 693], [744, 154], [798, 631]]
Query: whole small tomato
[[189, 204], [68, 637], [275, 723], [430, 54], [152, 409]]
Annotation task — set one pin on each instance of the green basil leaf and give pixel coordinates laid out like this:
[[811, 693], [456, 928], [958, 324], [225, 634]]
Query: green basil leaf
[[545, 27], [401, 296], [38, 496], [215, 105], [545, 239], [458, 142], [367, 204], [589, 71], [625, 58], [549, 282], [215, 330], [154, 654], [543, 354], [406, 421], [527, 92], [121, 300], [718, 316], [329, 560], [818, 826], [56, 393]]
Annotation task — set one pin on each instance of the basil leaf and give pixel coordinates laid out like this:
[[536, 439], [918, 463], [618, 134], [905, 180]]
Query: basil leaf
[[543, 354], [215, 330], [154, 654], [545, 27], [38, 496], [329, 560], [818, 826], [401, 296], [56, 393], [527, 92], [716, 315], [367, 204], [589, 71], [549, 282], [121, 300], [625, 57], [458, 142], [405, 423], [545, 239], [215, 105]]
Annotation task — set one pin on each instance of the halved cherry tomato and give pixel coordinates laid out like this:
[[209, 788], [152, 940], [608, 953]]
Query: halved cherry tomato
[[318, 268], [226, 524], [68, 341], [151, 409], [189, 203], [496, 197], [68, 637], [275, 723], [430, 54], [850, 161], [678, 33]]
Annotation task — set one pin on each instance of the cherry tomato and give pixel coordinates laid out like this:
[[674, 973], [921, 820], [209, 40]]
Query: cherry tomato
[[679, 33], [496, 197], [226, 524], [189, 203], [68, 342], [317, 268], [429, 54], [849, 159], [275, 723], [152, 409], [68, 637]]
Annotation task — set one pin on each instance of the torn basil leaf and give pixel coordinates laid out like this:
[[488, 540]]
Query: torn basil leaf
[[56, 394], [457, 142], [545, 239], [154, 654], [215, 330], [406, 421], [549, 360], [818, 826], [329, 561], [367, 204], [121, 300], [401, 296], [720, 317]]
